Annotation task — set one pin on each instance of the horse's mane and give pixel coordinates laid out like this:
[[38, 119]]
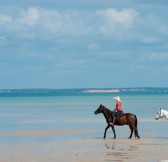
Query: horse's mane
[[107, 109]]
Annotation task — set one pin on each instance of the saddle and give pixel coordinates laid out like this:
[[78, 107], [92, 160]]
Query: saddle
[[117, 115], [120, 114]]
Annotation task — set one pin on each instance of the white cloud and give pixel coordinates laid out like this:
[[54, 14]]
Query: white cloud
[[158, 56], [113, 16], [2, 40], [124, 24], [50, 20], [35, 22], [45, 23], [29, 16], [152, 59], [149, 39], [93, 46], [5, 19], [116, 22]]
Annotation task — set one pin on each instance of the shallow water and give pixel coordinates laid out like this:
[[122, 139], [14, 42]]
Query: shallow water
[[73, 112]]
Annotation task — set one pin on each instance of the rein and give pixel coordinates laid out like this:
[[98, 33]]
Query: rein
[[106, 111]]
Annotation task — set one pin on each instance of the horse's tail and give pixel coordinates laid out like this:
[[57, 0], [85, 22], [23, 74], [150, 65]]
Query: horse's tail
[[136, 128]]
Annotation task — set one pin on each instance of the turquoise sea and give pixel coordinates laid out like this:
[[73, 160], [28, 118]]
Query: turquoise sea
[[35, 112]]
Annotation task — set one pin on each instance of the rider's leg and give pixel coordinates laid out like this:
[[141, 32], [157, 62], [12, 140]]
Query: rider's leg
[[113, 121], [113, 118], [115, 115]]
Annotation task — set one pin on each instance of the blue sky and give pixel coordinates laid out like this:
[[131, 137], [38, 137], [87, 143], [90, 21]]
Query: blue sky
[[83, 43]]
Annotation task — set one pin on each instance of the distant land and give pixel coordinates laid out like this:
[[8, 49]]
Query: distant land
[[85, 90]]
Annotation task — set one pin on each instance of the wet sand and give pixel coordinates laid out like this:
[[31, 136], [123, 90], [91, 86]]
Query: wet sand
[[93, 149], [45, 132]]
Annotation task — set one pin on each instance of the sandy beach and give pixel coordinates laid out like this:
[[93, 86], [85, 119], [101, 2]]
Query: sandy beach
[[94, 149]]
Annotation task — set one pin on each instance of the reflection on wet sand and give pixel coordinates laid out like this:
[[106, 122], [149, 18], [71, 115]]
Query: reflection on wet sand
[[120, 151], [126, 150]]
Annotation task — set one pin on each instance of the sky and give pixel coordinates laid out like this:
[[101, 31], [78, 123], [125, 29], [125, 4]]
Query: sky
[[83, 43]]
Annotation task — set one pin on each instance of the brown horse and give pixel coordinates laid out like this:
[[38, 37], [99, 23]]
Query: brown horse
[[124, 119]]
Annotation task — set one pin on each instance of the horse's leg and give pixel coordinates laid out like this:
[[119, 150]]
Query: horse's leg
[[136, 133], [166, 116], [113, 132], [108, 126], [131, 131], [136, 128]]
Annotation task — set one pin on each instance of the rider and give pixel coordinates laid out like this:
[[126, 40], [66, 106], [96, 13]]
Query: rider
[[118, 110]]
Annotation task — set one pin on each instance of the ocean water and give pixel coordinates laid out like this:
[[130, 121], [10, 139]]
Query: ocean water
[[20, 113]]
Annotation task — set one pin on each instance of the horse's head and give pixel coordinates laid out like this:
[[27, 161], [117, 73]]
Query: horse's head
[[99, 110], [159, 114]]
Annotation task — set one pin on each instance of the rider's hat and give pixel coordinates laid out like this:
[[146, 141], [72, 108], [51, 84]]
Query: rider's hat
[[117, 98]]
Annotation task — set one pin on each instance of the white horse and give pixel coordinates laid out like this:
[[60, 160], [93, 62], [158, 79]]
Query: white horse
[[161, 114]]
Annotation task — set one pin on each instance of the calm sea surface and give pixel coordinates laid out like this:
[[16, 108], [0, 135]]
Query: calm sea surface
[[74, 112]]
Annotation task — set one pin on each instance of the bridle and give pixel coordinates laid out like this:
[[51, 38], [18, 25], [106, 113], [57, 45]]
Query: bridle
[[159, 113]]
